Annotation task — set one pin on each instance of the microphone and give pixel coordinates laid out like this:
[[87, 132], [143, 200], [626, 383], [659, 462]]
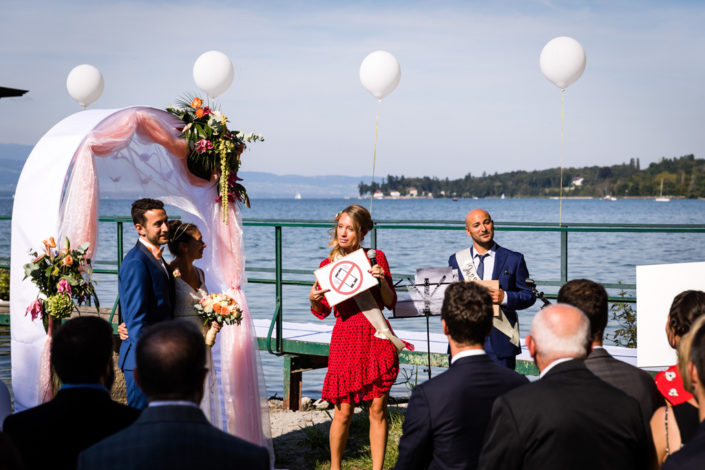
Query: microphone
[[530, 283], [372, 255]]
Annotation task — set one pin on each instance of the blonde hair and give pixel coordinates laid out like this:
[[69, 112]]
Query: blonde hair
[[684, 349], [361, 221]]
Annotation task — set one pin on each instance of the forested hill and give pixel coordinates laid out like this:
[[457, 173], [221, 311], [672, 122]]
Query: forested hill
[[682, 177]]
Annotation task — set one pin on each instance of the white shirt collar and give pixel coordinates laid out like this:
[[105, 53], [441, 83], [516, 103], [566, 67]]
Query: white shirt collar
[[172, 403], [467, 353], [490, 252], [148, 244], [553, 364]]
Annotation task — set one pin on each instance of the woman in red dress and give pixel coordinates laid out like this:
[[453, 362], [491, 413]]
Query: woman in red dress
[[675, 423], [361, 366]]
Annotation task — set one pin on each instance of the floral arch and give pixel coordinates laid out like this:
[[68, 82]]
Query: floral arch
[[57, 195]]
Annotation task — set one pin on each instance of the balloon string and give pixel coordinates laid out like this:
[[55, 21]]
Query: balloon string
[[374, 157], [560, 199]]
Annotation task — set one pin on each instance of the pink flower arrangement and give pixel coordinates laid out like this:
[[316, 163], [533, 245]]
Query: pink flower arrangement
[[215, 150], [59, 275]]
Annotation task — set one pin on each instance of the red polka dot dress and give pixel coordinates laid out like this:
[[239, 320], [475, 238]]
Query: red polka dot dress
[[360, 366]]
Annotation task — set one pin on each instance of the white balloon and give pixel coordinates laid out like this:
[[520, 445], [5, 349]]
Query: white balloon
[[85, 84], [562, 61], [213, 73], [380, 73]]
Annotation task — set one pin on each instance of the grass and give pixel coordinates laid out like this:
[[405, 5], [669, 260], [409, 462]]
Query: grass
[[357, 452]]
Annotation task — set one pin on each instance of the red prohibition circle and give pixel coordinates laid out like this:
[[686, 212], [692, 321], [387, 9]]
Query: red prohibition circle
[[345, 278]]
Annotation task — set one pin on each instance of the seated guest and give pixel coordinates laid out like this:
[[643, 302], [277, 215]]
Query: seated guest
[[692, 361], [676, 423], [52, 435], [172, 432], [447, 416], [591, 298], [569, 418]]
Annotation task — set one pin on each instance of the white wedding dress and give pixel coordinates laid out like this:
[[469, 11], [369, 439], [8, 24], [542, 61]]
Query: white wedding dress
[[185, 299]]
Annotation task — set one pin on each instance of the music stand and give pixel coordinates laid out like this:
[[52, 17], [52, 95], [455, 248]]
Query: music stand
[[425, 298]]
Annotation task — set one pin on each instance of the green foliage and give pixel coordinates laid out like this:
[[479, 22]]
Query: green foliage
[[682, 177], [625, 315], [410, 378], [4, 284]]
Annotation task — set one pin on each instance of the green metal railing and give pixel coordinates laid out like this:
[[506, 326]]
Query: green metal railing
[[274, 342]]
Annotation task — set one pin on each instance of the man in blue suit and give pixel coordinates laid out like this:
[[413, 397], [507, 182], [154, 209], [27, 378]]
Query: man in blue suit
[[145, 285], [486, 260], [447, 416]]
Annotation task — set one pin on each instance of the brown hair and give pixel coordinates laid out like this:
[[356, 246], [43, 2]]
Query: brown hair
[[685, 309], [140, 206], [467, 311], [179, 232], [591, 298], [361, 220]]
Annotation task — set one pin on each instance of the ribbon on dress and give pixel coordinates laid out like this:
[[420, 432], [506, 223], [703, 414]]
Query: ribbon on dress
[[501, 323], [368, 306]]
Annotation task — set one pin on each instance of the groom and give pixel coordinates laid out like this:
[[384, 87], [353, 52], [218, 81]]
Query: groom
[[145, 285]]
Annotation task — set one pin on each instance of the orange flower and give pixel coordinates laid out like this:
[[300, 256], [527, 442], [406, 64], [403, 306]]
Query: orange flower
[[196, 103], [217, 307], [68, 261], [199, 113], [50, 243]]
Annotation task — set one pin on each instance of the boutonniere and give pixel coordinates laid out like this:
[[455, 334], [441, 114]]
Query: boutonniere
[[176, 273]]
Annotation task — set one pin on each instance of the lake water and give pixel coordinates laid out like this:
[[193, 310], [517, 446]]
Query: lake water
[[607, 258]]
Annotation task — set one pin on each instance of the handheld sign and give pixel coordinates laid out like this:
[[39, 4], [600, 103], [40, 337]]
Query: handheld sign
[[345, 277]]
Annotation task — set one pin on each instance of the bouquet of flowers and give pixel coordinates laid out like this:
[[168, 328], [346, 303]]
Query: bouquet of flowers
[[58, 273], [214, 150], [220, 309]]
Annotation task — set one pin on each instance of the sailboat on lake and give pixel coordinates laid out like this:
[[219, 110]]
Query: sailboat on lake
[[661, 197]]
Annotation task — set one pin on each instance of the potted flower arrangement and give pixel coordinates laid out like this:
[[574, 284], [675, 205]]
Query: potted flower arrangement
[[218, 308], [214, 149], [58, 273]]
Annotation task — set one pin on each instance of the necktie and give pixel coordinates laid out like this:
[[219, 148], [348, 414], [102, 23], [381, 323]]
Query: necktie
[[481, 265], [157, 252]]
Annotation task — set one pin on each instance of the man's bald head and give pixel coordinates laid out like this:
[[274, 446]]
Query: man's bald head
[[560, 331], [479, 226]]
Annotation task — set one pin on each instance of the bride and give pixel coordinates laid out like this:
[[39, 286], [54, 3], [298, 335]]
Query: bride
[[186, 244]]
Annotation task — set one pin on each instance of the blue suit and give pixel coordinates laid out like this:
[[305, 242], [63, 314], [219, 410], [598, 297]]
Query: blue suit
[[146, 289], [511, 271]]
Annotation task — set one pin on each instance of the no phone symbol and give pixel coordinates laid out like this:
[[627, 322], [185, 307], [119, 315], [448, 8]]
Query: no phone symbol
[[345, 278]]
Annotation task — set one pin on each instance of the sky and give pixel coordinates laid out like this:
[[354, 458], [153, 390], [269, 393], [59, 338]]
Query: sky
[[472, 97]]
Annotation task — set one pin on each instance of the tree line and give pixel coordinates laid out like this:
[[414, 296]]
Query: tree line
[[681, 176]]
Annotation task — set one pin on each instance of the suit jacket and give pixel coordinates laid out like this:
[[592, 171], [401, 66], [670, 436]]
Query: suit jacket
[[447, 416], [146, 292], [569, 419], [631, 380], [52, 435], [511, 271], [691, 456], [173, 437]]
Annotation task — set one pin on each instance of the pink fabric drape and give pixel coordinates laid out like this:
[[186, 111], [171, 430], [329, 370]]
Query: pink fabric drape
[[80, 217], [246, 412]]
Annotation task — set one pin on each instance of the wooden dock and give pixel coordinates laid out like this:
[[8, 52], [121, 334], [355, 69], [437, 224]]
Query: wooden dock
[[307, 346]]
